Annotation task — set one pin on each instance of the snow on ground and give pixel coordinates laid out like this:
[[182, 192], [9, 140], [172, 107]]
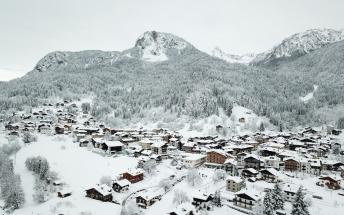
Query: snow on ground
[[310, 95], [207, 185], [78, 167]]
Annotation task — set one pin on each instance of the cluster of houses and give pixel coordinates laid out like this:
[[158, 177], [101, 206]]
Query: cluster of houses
[[256, 157]]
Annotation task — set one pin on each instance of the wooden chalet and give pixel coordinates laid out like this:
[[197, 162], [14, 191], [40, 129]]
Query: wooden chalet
[[133, 175], [245, 199], [121, 185], [149, 198], [100, 192], [202, 200]]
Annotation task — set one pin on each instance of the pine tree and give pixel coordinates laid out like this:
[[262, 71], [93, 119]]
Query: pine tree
[[261, 127], [300, 207], [268, 207], [15, 196], [277, 197], [217, 199]]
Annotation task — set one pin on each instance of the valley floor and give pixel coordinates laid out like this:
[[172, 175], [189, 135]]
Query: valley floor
[[80, 168]]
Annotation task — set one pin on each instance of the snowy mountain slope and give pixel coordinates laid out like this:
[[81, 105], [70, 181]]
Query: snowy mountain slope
[[231, 58], [300, 44], [127, 85], [155, 46], [82, 59]]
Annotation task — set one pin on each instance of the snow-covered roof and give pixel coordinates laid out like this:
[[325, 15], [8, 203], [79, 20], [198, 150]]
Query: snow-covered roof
[[183, 209], [158, 144], [333, 177], [189, 144], [236, 179], [135, 171], [231, 161], [193, 157], [145, 141], [202, 195], [251, 194], [103, 189], [113, 143], [292, 188], [123, 182], [252, 170], [146, 152], [272, 171], [219, 151]]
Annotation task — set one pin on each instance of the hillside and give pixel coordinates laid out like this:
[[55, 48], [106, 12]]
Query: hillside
[[164, 71]]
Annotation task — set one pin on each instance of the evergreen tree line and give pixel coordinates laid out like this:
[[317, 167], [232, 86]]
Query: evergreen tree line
[[10, 184], [274, 201], [193, 84]]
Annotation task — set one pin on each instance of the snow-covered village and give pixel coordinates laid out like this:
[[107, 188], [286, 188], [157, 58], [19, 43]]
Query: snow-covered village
[[171, 107], [70, 163]]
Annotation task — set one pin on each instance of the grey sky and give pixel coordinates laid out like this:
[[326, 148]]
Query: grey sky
[[32, 28]]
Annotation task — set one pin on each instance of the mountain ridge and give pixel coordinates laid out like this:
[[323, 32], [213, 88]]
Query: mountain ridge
[[190, 83], [293, 46]]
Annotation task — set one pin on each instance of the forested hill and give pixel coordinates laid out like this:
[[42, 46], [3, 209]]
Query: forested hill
[[163, 70]]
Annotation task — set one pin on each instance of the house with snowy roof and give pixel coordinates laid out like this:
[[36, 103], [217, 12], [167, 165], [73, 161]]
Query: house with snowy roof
[[330, 181], [148, 198], [193, 160], [216, 158], [246, 199], [112, 147], [253, 161], [249, 172], [100, 192], [185, 208], [159, 148], [290, 191], [121, 185], [234, 183], [133, 175], [202, 200], [231, 167], [270, 174]]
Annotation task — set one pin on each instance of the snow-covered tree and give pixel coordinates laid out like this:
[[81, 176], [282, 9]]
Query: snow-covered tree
[[107, 136], [41, 191], [38, 165], [219, 175], [217, 199], [149, 166], [174, 162], [268, 207], [86, 107], [277, 197], [14, 198], [261, 127], [28, 137], [258, 209], [106, 180], [193, 177], [340, 123], [180, 197], [165, 184], [300, 206]]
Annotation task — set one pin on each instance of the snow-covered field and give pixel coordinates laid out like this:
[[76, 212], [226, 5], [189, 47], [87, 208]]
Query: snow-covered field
[[78, 167]]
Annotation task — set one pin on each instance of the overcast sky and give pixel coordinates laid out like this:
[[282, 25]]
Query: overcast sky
[[29, 29]]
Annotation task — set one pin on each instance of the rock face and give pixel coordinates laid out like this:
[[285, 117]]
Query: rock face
[[300, 44], [231, 58], [82, 59], [155, 46]]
